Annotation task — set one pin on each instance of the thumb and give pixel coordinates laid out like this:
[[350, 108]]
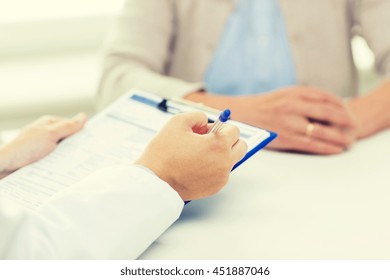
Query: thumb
[[65, 128]]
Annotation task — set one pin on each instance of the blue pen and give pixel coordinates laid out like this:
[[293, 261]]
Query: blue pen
[[223, 117]]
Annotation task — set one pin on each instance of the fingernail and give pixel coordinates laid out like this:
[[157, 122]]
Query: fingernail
[[80, 117]]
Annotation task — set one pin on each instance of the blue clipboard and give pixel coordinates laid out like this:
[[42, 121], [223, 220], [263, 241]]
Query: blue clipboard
[[253, 151], [256, 138]]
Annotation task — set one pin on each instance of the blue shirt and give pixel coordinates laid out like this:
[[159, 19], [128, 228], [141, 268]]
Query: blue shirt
[[254, 54]]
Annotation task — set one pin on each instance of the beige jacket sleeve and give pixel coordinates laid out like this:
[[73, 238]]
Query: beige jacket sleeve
[[373, 17], [138, 52]]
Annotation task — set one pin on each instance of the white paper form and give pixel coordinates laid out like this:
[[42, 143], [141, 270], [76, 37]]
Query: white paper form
[[117, 135]]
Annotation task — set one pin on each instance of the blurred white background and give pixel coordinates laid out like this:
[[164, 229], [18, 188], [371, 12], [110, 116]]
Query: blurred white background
[[50, 57]]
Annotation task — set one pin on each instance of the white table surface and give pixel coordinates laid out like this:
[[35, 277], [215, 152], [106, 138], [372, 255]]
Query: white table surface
[[292, 206]]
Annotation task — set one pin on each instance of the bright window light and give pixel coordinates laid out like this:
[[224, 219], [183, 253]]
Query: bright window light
[[40, 26], [31, 10]]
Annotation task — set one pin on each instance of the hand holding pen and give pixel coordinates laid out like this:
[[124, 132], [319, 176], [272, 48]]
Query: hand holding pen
[[194, 166]]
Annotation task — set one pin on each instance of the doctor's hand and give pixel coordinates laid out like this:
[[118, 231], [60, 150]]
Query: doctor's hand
[[306, 119], [195, 164], [37, 140]]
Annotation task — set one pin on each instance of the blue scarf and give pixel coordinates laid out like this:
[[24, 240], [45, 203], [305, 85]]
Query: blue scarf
[[254, 54]]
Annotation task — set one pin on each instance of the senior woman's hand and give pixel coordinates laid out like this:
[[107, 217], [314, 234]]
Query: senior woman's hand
[[306, 119]]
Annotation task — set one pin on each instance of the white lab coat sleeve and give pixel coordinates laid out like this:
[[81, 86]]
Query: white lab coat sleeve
[[116, 213]]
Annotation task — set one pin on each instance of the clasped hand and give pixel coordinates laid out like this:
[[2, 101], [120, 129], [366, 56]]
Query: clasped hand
[[306, 119]]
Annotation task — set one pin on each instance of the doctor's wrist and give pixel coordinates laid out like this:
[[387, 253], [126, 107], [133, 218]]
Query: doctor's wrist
[[159, 172]]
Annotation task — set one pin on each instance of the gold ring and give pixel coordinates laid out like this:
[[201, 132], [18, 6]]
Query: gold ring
[[309, 129]]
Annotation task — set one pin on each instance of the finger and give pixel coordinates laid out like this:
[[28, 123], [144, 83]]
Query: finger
[[325, 112], [325, 133], [306, 144], [332, 134], [295, 124], [195, 121], [209, 126], [319, 95], [239, 150], [231, 134], [46, 119], [67, 127]]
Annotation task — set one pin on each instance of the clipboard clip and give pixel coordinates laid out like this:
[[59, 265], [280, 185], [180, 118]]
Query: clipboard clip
[[163, 106]]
